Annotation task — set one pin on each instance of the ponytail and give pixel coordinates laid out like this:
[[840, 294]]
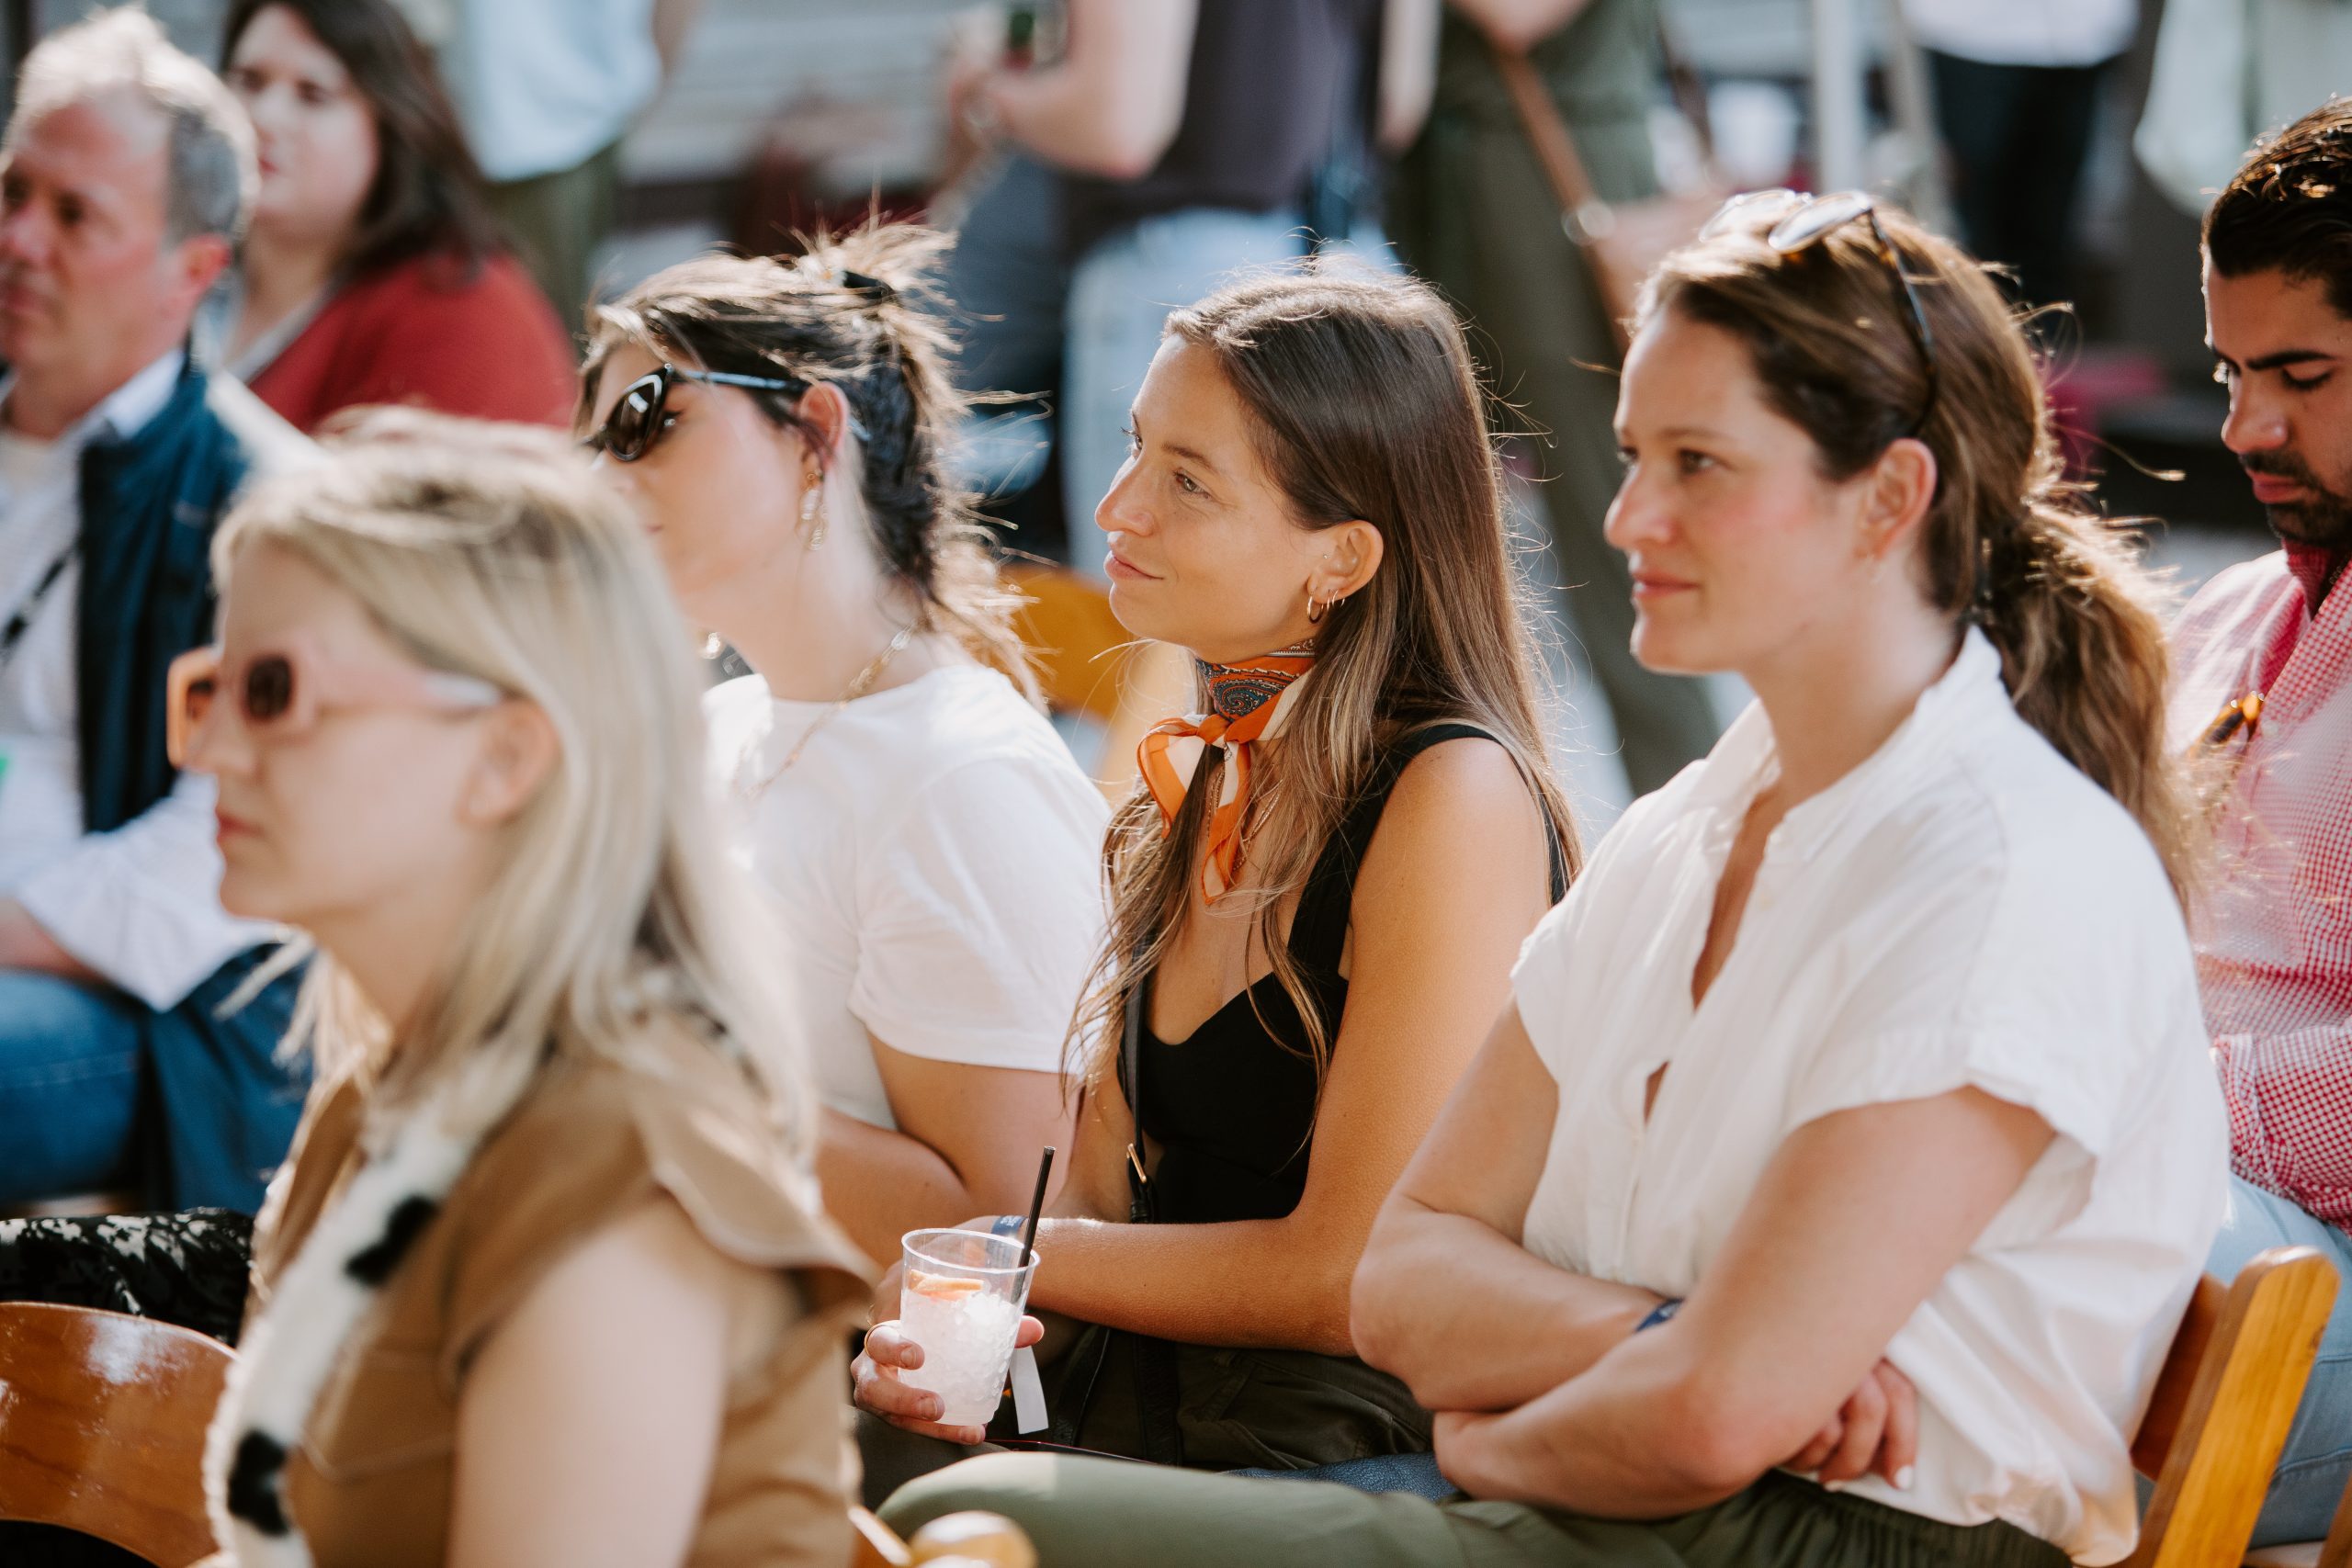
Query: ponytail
[[2083, 655]]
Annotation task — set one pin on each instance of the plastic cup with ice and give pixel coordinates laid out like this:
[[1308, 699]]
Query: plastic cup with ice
[[962, 1300]]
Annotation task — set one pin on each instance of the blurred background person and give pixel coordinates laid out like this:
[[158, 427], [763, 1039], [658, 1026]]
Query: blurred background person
[[1186, 135], [935, 851], [1472, 211], [373, 272], [2017, 87], [2227, 71], [127, 168], [546, 90]]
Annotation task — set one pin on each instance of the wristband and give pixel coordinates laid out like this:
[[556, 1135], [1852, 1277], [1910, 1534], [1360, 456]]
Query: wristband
[[1662, 1313], [1006, 1224]]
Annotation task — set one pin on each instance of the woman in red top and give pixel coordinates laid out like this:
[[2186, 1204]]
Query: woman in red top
[[373, 271]]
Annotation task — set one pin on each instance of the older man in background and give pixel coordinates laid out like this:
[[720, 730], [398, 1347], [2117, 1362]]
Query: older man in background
[[124, 181]]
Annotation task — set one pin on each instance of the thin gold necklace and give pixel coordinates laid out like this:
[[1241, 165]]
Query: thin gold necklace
[[857, 688]]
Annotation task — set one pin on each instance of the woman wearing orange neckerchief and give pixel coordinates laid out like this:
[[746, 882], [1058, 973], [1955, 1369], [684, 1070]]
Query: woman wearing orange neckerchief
[[1316, 888]]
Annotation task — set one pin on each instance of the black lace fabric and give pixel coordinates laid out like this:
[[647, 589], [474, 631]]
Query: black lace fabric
[[187, 1268]]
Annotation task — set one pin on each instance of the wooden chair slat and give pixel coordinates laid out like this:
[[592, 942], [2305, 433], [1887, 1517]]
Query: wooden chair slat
[[2169, 1405], [954, 1541], [2337, 1552], [102, 1422], [2245, 1366], [1077, 643], [875, 1545]]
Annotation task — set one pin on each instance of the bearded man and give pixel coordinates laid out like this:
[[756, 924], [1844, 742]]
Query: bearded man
[[2262, 703]]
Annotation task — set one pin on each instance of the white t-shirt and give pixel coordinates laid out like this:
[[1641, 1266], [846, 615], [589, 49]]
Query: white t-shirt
[[936, 856], [2026, 32], [542, 85], [1964, 908]]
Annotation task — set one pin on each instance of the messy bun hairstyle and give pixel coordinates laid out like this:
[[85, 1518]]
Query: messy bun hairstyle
[[857, 312]]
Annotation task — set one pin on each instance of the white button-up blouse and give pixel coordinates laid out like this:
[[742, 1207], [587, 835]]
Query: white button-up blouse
[[1964, 908]]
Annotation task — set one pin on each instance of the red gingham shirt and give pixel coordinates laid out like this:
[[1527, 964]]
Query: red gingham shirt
[[2274, 930]]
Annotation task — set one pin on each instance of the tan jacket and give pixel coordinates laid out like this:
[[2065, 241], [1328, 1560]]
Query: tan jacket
[[372, 1482]]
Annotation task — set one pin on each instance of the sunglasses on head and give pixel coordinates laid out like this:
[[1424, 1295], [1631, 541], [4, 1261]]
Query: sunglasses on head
[[280, 692], [639, 417], [1809, 220]]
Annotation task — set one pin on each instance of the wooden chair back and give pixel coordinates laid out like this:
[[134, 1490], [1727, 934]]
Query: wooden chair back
[[102, 1422], [953, 1540], [2223, 1406], [1078, 644]]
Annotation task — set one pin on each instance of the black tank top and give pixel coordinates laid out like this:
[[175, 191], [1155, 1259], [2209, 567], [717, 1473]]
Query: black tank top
[[1232, 1107], [1264, 96]]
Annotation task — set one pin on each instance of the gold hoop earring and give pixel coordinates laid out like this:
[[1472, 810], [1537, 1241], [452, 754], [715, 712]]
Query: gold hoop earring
[[1315, 612]]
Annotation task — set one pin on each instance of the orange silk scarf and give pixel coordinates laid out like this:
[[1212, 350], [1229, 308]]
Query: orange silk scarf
[[1246, 702]]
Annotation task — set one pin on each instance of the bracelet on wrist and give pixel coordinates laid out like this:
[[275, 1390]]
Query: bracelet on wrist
[[1662, 1313]]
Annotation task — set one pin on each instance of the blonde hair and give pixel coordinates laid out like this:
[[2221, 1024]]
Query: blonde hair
[[1364, 404], [2008, 543], [490, 551]]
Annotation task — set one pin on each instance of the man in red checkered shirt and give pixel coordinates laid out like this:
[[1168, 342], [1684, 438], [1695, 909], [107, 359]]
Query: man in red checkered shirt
[[2262, 697]]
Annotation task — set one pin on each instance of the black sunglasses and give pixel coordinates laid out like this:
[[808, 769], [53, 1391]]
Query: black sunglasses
[[638, 418], [1815, 218]]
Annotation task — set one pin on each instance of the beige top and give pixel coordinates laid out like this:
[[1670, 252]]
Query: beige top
[[592, 1141]]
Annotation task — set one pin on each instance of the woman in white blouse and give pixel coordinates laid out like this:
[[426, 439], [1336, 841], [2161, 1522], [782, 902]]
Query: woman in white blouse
[[1833, 1189], [933, 848]]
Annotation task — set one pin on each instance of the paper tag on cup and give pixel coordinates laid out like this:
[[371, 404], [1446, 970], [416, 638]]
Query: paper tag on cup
[[1028, 1392]]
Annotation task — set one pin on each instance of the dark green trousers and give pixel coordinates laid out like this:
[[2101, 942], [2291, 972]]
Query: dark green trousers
[[1470, 211], [556, 221], [1092, 1513]]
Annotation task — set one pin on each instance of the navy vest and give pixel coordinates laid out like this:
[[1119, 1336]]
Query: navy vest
[[218, 1108]]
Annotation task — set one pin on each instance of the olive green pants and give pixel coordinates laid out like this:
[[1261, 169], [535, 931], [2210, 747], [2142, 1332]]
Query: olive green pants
[[1086, 1513], [1474, 213], [556, 221]]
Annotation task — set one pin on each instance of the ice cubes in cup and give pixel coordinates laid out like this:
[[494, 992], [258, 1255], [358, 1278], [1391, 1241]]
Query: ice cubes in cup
[[962, 1300]]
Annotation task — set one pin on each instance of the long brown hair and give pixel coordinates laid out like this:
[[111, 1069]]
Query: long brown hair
[[428, 196], [854, 311], [2008, 541], [1363, 404]]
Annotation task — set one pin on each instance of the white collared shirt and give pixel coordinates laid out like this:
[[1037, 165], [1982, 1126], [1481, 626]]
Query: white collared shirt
[[1964, 909], [140, 904]]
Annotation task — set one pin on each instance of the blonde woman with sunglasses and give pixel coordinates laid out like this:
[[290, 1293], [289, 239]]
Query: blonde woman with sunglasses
[[1832, 1188], [545, 1280]]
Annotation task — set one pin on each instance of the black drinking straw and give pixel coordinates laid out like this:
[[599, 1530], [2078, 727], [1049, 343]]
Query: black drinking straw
[[1037, 1203]]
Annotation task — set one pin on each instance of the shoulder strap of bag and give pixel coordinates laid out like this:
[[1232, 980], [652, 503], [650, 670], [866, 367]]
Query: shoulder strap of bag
[[1584, 217], [1687, 87], [1139, 1199]]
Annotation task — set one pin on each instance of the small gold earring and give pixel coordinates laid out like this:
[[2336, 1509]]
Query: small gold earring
[[1315, 612], [811, 501]]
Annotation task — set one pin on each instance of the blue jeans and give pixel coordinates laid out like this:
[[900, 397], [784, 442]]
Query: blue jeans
[[69, 1086], [1119, 301], [1008, 284], [2318, 1456]]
